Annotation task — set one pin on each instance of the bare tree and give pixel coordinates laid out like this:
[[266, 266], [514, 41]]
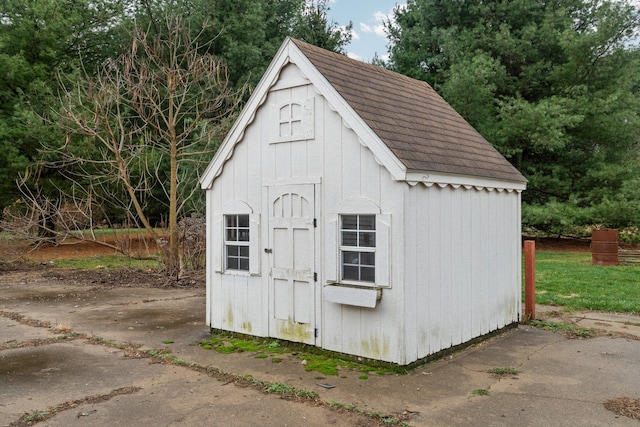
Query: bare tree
[[163, 105]]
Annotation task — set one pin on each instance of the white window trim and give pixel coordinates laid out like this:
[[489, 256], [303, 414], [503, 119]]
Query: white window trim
[[358, 206], [236, 207]]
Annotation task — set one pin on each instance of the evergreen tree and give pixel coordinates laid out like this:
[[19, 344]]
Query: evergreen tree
[[555, 86]]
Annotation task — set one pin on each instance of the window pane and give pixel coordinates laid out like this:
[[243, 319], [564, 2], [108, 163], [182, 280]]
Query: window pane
[[243, 251], [367, 240], [232, 263], [244, 264], [368, 274], [351, 258], [232, 235], [350, 273], [296, 127], [285, 112], [350, 222], [243, 221], [367, 258], [231, 220], [349, 238], [296, 111], [243, 235], [367, 222], [232, 251]]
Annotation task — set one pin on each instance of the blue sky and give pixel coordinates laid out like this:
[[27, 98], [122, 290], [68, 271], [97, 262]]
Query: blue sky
[[368, 29]]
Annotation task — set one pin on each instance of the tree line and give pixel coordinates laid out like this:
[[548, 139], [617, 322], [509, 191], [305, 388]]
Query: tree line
[[110, 108], [553, 85]]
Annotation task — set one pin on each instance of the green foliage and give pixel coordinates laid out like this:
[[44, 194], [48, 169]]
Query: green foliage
[[38, 41], [45, 42], [570, 280], [306, 394], [312, 25], [279, 388], [565, 328], [325, 362], [554, 86], [247, 33], [503, 371]]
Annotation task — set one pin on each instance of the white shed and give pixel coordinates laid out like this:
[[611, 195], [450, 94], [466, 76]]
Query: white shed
[[351, 208]]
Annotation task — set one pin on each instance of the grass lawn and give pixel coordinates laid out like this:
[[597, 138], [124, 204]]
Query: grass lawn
[[572, 281]]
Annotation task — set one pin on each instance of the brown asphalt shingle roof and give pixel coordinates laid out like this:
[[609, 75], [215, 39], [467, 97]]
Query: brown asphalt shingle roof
[[419, 126]]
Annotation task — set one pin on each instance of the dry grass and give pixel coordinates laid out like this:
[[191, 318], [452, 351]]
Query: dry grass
[[625, 406]]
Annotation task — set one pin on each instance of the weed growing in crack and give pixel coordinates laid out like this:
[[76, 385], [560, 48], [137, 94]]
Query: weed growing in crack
[[569, 330], [503, 371], [34, 416], [307, 394], [279, 388]]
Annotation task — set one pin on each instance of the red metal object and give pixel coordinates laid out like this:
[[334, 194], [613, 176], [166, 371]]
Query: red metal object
[[529, 280], [604, 247]]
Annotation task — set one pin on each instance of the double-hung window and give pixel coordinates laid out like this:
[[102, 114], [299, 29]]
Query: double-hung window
[[358, 248], [236, 242]]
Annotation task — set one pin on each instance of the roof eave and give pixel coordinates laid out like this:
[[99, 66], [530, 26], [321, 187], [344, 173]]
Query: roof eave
[[429, 178], [246, 116]]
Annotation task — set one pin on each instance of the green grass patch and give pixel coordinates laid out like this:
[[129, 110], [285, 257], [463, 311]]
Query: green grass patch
[[363, 377], [279, 388], [322, 361], [111, 262], [167, 342], [566, 328], [570, 280], [503, 371]]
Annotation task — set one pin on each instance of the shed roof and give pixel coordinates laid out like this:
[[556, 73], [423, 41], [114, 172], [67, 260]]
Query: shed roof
[[421, 129]]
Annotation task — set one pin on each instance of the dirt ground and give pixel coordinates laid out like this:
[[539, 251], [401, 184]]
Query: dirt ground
[[138, 246]]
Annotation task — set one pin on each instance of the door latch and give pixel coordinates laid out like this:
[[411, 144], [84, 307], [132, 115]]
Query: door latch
[[268, 250]]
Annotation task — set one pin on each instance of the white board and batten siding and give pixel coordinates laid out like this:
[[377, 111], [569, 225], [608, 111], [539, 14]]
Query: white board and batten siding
[[354, 183], [463, 261]]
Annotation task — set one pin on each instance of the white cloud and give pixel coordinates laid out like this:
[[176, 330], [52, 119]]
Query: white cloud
[[365, 28], [354, 56], [381, 17]]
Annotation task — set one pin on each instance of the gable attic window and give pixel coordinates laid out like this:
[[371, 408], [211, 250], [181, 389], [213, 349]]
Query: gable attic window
[[294, 121], [358, 248], [236, 242]]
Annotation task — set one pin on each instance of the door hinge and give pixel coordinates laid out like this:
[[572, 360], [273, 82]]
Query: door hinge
[[315, 277], [315, 333], [315, 223]]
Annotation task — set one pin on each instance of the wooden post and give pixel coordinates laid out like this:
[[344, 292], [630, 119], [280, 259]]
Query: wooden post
[[529, 280]]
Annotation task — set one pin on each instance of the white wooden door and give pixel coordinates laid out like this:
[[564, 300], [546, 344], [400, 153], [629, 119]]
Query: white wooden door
[[292, 262]]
